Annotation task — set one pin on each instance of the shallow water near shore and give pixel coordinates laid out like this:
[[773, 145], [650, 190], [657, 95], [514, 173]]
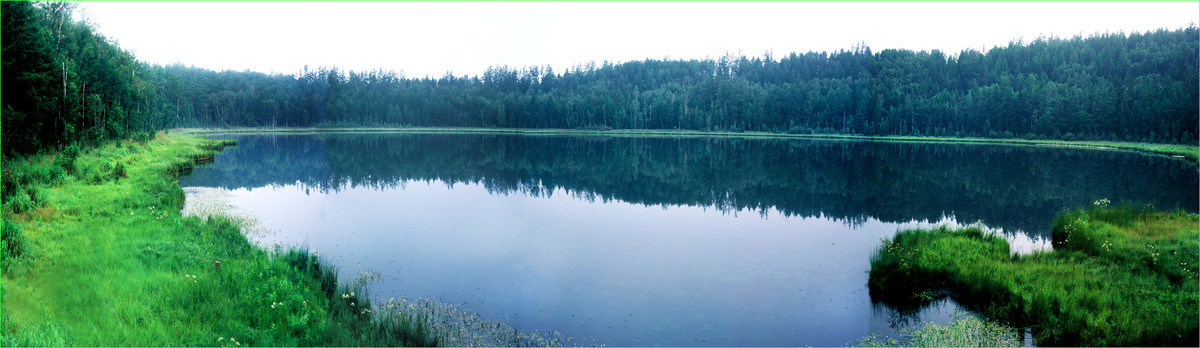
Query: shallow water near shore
[[628, 241]]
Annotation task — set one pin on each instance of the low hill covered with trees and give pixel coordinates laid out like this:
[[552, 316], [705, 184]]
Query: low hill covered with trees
[[64, 84]]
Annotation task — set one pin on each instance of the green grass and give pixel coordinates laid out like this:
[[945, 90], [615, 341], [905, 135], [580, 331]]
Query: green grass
[[964, 331], [1123, 276], [95, 252], [1188, 152]]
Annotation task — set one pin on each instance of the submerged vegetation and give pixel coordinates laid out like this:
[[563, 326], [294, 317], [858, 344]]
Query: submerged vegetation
[[1118, 276], [95, 252], [965, 330]]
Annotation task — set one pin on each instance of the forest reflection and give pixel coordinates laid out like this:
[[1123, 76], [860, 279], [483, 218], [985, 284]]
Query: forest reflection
[[1009, 187]]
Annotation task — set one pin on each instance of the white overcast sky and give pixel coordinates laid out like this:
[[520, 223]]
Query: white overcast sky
[[431, 38]]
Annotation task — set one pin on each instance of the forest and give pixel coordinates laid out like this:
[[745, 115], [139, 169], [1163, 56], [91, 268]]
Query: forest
[[64, 84]]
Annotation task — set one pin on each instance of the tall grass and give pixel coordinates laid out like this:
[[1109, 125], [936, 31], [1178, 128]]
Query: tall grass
[[97, 253], [1118, 276], [349, 304], [964, 331]]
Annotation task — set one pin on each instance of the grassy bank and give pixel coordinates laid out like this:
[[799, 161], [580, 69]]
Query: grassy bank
[[95, 252], [1188, 152], [1123, 276]]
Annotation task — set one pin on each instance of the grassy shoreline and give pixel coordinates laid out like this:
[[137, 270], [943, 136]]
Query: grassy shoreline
[[96, 252], [1188, 152], [1123, 276]]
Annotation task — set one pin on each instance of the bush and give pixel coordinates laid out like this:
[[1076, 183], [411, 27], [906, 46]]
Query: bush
[[143, 136], [66, 158], [98, 170], [19, 201], [12, 243]]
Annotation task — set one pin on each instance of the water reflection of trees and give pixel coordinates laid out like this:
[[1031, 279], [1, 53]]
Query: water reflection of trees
[[1004, 186]]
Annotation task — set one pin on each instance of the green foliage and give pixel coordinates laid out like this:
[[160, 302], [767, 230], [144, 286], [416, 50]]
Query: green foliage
[[1113, 87], [98, 170], [19, 201], [65, 84], [143, 136], [347, 304], [1118, 276], [128, 268], [23, 177], [47, 335], [1144, 240], [12, 244]]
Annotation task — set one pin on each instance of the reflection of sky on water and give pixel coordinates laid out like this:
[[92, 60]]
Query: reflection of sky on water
[[613, 272], [1019, 242], [644, 241]]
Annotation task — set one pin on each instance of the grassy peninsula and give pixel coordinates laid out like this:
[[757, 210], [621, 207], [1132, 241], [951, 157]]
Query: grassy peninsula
[[1119, 276], [95, 252]]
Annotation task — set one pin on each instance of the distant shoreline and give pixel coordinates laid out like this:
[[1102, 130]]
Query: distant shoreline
[[1186, 152]]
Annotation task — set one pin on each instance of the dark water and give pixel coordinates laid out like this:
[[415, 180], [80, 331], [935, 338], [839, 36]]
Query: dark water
[[658, 241]]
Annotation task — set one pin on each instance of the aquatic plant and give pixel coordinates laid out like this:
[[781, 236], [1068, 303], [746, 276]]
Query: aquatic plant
[[965, 330]]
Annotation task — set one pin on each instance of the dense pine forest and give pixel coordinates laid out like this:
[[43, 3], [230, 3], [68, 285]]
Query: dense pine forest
[[65, 84]]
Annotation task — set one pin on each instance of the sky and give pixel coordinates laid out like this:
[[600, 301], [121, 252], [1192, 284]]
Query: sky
[[421, 39]]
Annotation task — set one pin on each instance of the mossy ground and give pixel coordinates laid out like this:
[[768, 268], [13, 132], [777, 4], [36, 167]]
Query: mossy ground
[[1117, 277], [95, 252]]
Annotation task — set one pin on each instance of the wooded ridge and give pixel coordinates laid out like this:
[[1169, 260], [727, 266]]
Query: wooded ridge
[[63, 83]]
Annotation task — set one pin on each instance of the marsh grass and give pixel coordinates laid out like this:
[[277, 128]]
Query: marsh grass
[[350, 304], [96, 252], [453, 325], [965, 330], [1118, 276]]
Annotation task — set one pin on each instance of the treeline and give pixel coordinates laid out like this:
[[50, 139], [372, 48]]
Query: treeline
[[1137, 87], [65, 84], [71, 84]]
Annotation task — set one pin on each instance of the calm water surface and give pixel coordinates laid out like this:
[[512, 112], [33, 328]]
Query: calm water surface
[[657, 241]]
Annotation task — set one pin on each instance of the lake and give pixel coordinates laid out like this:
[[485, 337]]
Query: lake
[[657, 240]]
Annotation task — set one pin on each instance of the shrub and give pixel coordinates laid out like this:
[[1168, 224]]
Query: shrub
[[66, 158], [12, 243], [143, 136], [98, 170], [19, 201]]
